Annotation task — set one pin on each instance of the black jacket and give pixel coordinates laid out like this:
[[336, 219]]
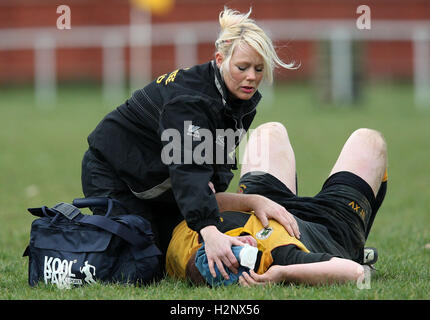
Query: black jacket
[[192, 102]]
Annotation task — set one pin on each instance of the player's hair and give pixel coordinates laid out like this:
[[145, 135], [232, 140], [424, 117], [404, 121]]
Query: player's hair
[[192, 274], [237, 29]]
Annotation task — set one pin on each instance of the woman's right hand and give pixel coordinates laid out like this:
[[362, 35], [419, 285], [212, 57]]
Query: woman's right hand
[[218, 250]]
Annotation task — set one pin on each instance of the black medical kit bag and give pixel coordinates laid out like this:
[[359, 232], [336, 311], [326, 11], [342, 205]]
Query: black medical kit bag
[[69, 248]]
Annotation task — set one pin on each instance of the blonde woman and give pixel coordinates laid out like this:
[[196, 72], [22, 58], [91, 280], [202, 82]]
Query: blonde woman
[[166, 152]]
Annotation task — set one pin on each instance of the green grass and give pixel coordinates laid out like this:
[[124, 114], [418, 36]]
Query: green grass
[[40, 157]]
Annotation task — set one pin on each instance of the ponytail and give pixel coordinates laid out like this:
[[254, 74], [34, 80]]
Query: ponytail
[[237, 29]]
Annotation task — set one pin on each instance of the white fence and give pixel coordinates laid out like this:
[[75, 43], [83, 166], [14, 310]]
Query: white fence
[[141, 35]]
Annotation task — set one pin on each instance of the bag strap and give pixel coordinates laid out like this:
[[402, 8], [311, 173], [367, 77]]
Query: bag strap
[[103, 222], [114, 227], [104, 202]]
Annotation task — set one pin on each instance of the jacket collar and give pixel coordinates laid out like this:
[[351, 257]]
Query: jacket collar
[[219, 83]]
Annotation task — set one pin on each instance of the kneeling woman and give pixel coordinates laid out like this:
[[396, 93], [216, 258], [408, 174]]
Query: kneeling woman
[[129, 155]]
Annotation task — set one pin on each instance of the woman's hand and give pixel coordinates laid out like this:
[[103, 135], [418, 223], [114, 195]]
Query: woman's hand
[[266, 209], [273, 275], [218, 250]]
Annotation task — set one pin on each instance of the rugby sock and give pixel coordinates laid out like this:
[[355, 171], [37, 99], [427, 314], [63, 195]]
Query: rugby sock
[[297, 186]]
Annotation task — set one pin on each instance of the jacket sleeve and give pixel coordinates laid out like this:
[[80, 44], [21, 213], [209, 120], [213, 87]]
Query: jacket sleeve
[[186, 132], [222, 177]]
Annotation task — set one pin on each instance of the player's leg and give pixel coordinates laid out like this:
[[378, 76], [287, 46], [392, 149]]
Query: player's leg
[[364, 154], [269, 150]]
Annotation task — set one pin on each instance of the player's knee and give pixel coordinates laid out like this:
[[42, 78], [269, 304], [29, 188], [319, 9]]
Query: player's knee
[[373, 139], [275, 129], [273, 125]]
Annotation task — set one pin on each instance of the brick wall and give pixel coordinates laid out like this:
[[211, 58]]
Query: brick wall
[[381, 59]]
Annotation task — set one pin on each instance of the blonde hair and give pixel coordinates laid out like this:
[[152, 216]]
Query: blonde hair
[[237, 29]]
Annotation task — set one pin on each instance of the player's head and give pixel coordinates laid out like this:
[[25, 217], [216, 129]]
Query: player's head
[[242, 40], [197, 268], [197, 271]]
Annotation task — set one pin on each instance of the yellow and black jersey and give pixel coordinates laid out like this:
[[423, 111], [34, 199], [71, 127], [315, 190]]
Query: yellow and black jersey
[[273, 243]]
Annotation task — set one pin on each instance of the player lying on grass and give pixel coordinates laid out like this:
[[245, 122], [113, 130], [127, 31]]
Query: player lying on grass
[[333, 225]]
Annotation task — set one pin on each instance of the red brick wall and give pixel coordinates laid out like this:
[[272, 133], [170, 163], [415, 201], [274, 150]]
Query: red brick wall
[[27, 13], [382, 59]]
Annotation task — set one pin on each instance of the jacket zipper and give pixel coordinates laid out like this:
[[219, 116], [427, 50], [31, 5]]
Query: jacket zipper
[[241, 122]]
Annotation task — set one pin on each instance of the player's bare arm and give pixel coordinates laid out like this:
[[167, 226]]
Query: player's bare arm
[[336, 270]]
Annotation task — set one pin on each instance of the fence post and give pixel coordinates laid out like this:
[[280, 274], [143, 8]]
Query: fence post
[[341, 67], [140, 48], [45, 71], [113, 68], [421, 47], [186, 49]]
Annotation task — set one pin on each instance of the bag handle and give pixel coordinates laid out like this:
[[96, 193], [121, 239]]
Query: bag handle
[[91, 202], [98, 202]]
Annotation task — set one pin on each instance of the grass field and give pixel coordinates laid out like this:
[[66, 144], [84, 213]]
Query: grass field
[[41, 151]]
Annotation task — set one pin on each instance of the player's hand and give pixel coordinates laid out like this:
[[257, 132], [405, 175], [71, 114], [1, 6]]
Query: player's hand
[[218, 250], [266, 209], [273, 275], [248, 240]]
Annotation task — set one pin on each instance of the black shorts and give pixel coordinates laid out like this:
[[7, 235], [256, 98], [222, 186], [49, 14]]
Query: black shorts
[[344, 205]]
